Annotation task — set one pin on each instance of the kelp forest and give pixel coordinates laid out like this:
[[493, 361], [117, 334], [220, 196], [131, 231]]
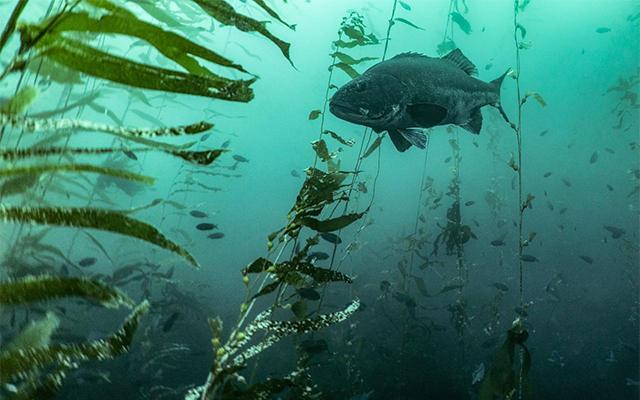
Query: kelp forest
[[190, 210]]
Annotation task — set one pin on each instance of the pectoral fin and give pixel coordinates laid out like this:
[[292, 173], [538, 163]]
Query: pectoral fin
[[474, 124], [415, 136], [427, 115], [399, 141]]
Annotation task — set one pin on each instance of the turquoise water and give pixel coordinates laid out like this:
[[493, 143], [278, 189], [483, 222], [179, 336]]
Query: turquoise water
[[438, 289]]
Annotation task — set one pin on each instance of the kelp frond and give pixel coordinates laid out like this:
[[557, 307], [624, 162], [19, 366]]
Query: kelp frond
[[42, 288], [83, 217], [17, 363], [40, 169]]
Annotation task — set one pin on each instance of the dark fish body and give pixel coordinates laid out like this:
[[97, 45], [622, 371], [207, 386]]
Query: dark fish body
[[610, 187], [225, 144], [544, 132], [528, 258], [615, 232], [385, 286], [197, 214], [309, 294], [470, 203], [412, 92], [497, 242], [550, 205], [205, 226], [217, 235], [587, 259], [566, 183], [501, 286], [87, 262], [446, 160], [564, 210], [295, 173], [603, 30], [205, 137], [610, 151], [548, 174], [594, 158], [331, 237], [240, 158]]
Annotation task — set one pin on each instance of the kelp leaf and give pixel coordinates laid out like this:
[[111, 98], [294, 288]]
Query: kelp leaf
[[226, 15], [320, 147], [346, 68], [522, 30], [330, 225], [536, 96], [314, 114], [407, 22], [83, 58], [318, 274], [40, 169], [422, 288], [337, 137], [347, 59], [374, 145], [16, 363], [200, 157], [272, 13], [453, 286], [42, 288], [405, 5], [111, 221], [20, 101], [171, 45], [462, 22], [446, 46]]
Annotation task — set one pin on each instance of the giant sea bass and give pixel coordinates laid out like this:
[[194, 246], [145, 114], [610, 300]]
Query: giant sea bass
[[412, 92]]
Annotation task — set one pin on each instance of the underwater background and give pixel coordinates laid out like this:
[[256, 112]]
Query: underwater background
[[184, 218]]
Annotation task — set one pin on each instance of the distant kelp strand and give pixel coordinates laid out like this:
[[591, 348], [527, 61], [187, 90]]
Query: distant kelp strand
[[34, 289], [23, 362], [111, 221], [629, 99]]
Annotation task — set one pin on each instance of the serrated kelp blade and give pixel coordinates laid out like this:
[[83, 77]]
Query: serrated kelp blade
[[16, 363], [200, 157], [33, 289], [272, 13], [40, 169], [226, 15], [79, 217], [171, 45], [83, 58], [20, 101]]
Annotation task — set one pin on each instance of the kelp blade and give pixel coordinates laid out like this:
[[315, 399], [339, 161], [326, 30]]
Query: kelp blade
[[96, 219], [42, 288]]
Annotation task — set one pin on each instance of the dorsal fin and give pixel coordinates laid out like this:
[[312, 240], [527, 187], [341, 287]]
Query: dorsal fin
[[458, 59], [409, 54]]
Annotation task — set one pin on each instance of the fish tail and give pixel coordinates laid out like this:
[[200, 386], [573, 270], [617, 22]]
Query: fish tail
[[497, 83]]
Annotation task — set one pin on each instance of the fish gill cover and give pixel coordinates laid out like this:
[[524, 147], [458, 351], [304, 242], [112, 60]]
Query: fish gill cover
[[385, 275]]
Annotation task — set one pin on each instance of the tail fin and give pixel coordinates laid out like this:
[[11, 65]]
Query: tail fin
[[497, 83]]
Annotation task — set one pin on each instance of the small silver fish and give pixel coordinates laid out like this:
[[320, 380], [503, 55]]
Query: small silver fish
[[478, 374]]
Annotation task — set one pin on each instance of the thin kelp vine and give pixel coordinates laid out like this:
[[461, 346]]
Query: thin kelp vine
[[64, 48], [501, 380]]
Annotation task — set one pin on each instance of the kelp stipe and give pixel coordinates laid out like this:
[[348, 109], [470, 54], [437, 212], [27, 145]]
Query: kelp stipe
[[501, 380]]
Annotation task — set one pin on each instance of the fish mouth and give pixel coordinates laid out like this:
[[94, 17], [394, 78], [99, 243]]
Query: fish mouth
[[351, 114]]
